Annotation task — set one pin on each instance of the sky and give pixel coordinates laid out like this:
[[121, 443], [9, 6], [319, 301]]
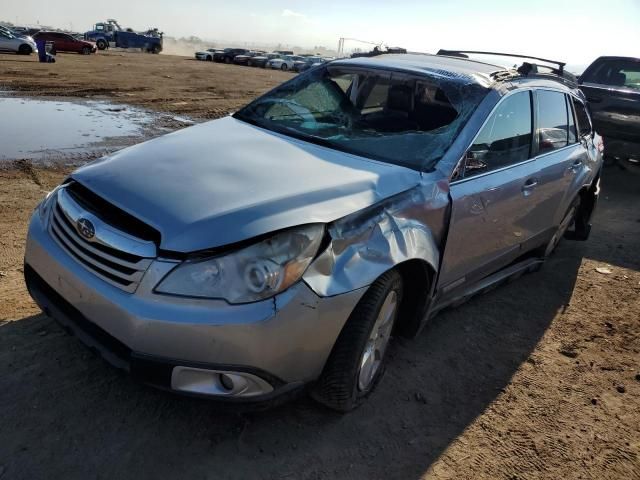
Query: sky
[[570, 30]]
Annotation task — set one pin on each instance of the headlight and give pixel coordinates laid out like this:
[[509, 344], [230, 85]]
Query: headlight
[[254, 273]]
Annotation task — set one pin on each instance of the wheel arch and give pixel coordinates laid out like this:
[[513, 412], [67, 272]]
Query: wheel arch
[[418, 278]]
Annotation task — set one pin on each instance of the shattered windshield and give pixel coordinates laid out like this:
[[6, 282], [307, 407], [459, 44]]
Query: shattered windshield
[[396, 117]]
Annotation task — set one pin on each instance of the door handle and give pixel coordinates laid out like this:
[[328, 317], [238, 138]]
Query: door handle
[[529, 185], [575, 165]]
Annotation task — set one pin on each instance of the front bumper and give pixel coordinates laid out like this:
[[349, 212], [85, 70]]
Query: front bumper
[[285, 340]]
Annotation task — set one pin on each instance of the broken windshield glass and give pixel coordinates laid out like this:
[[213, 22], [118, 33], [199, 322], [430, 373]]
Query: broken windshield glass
[[402, 118]]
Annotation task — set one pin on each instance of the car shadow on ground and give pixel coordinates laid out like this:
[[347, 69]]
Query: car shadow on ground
[[67, 414]]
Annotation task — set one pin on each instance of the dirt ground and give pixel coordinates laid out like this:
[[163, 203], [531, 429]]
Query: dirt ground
[[538, 379], [163, 83]]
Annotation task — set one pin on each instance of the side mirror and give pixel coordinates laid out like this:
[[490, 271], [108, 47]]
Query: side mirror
[[474, 162]]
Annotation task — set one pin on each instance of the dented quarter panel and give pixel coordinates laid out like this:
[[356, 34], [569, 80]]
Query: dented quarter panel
[[365, 244]]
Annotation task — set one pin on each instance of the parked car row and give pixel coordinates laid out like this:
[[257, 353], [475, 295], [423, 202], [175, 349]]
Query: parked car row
[[281, 60]]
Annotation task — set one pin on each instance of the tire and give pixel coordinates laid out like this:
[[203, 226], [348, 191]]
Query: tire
[[25, 50], [284, 67], [102, 44], [86, 51], [209, 58], [227, 60], [346, 380], [567, 221]]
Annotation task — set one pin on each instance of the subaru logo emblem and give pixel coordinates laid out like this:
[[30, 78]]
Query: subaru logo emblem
[[86, 228]]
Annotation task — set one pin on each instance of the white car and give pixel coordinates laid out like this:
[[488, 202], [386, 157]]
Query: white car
[[207, 55], [9, 42], [284, 63]]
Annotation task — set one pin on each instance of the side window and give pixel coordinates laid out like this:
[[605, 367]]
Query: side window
[[584, 124], [553, 123], [616, 73], [505, 139], [573, 135]]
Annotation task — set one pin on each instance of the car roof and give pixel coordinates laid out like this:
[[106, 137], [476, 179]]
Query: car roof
[[478, 72], [459, 69]]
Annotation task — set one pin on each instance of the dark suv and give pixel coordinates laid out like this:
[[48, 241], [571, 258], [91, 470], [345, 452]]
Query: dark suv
[[229, 54], [612, 87]]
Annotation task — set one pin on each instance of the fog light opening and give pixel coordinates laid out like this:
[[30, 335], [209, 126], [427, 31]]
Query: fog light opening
[[227, 382]]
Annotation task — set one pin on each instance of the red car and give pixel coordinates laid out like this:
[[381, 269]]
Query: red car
[[63, 42]]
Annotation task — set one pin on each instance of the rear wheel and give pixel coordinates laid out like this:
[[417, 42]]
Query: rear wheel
[[102, 44], [358, 358], [25, 50]]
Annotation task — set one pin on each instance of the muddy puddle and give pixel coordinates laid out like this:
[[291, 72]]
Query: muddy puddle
[[63, 131]]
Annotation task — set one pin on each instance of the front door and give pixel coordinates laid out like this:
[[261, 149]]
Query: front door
[[493, 205]]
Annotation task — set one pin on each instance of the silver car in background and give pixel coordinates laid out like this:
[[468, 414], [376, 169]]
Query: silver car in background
[[14, 42], [284, 246]]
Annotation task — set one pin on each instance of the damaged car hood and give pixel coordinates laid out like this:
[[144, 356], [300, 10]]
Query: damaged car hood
[[226, 181]]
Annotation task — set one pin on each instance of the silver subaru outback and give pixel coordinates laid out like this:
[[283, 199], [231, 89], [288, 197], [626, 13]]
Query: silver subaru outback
[[284, 246]]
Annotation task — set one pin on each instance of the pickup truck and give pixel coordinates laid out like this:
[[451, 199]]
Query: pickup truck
[[612, 87]]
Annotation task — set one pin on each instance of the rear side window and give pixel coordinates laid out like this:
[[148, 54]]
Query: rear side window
[[616, 73], [573, 136], [505, 139], [584, 124], [553, 122]]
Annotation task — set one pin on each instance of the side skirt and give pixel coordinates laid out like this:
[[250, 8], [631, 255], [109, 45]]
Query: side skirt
[[511, 272]]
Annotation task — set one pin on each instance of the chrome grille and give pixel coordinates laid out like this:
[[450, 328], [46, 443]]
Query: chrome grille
[[112, 255]]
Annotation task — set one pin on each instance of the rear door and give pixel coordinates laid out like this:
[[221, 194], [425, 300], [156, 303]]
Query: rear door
[[494, 203], [561, 159], [612, 87]]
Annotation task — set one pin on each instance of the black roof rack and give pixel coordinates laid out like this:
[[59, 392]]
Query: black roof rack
[[464, 54]]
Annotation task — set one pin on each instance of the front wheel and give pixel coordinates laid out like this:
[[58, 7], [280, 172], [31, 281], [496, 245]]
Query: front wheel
[[86, 51], [101, 44], [25, 50], [284, 67], [357, 360]]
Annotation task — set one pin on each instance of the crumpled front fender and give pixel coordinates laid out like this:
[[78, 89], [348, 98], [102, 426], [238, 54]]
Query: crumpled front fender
[[366, 244]]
